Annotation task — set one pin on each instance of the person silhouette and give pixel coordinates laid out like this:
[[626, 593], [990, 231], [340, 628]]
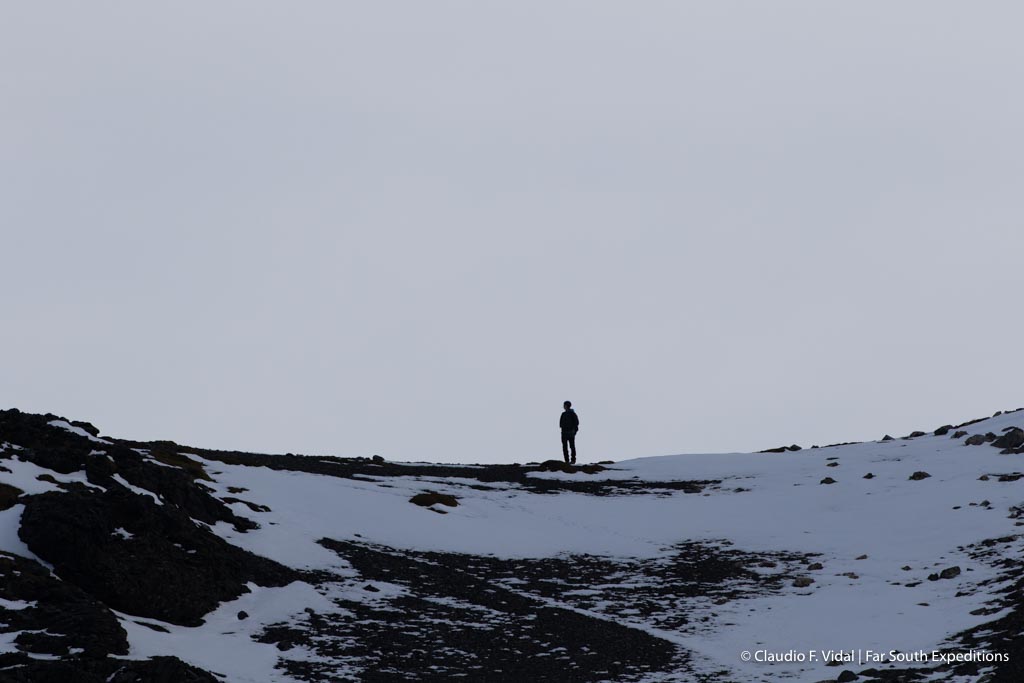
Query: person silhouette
[[570, 424]]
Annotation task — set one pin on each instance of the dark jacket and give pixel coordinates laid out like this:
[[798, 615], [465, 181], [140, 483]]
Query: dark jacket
[[569, 422]]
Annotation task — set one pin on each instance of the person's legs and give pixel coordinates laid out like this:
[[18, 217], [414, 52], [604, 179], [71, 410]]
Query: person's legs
[[565, 445], [572, 444]]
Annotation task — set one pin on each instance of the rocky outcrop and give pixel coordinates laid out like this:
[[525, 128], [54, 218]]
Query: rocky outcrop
[[20, 668], [57, 616], [168, 568]]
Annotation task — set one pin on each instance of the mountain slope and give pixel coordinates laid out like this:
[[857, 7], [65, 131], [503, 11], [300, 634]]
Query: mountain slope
[[178, 563]]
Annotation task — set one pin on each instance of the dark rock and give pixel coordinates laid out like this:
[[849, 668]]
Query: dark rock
[[887, 438], [914, 435], [9, 496], [429, 498], [975, 440], [827, 480], [959, 434], [949, 572], [242, 614], [562, 466], [983, 477], [943, 430], [107, 670], [832, 464], [151, 626], [793, 448], [371, 588], [87, 426], [1014, 438], [815, 565], [1010, 477], [846, 676], [255, 507], [869, 475], [64, 616], [906, 567], [861, 557], [802, 581], [377, 459], [172, 569], [917, 476]]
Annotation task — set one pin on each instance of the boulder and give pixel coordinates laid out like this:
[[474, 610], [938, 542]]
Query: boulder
[[428, 498], [1013, 438], [919, 475]]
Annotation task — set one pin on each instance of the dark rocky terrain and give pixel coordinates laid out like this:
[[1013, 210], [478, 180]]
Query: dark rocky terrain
[[125, 534]]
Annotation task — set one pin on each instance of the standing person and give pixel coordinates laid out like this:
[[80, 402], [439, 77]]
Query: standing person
[[570, 424]]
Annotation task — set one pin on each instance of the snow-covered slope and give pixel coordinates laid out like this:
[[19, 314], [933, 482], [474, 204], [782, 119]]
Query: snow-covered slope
[[656, 569]]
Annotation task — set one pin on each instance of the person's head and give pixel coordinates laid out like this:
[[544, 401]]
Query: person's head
[[567, 405]]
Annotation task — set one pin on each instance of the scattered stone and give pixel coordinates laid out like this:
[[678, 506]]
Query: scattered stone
[[1010, 477], [959, 434], [919, 475], [887, 438], [802, 581], [815, 565], [914, 435], [943, 430], [828, 480], [832, 464], [983, 477], [906, 568], [429, 498], [152, 627], [846, 676], [371, 588], [869, 475], [255, 507], [850, 575], [377, 459], [242, 614], [861, 557], [975, 440], [562, 466], [947, 573]]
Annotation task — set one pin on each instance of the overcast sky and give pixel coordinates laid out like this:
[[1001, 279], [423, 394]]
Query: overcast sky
[[413, 229]]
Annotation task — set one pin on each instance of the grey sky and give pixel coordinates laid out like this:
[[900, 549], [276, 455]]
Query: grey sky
[[414, 229]]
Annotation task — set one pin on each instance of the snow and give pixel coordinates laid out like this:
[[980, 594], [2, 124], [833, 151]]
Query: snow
[[64, 424], [871, 527], [224, 643], [892, 520], [132, 487], [16, 605]]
